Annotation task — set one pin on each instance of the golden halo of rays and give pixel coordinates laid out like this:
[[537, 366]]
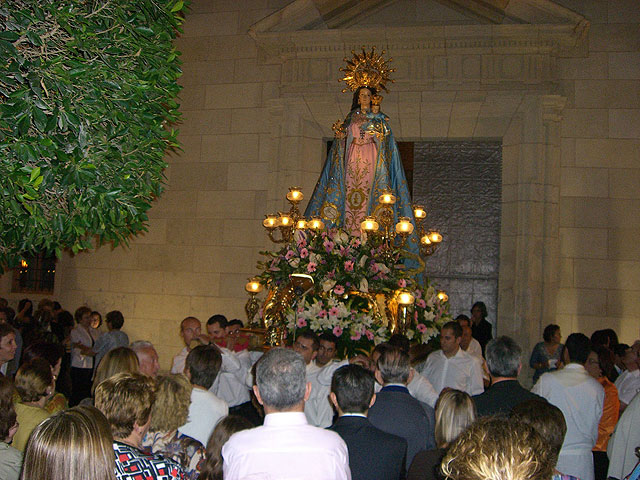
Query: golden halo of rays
[[366, 69]]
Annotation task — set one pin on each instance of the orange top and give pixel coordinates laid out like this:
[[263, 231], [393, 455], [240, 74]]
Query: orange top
[[610, 413]]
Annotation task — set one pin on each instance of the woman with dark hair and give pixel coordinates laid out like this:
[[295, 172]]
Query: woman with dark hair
[[481, 329], [212, 469], [52, 353], [600, 366], [10, 458], [547, 355]]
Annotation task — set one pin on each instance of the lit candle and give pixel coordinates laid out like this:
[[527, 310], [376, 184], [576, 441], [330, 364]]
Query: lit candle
[[424, 240], [315, 224], [419, 212], [301, 224], [284, 220], [294, 195], [387, 198], [404, 226], [270, 221], [435, 237], [369, 225], [253, 286], [405, 298], [443, 296]]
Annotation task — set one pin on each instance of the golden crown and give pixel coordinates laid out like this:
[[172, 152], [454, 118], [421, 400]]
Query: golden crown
[[366, 69]]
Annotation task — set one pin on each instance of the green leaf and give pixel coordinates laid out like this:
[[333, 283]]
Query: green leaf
[[177, 7], [34, 174]]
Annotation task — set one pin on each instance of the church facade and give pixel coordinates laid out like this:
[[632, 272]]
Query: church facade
[[556, 82]]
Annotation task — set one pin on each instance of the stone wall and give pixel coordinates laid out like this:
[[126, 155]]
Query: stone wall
[[255, 122]]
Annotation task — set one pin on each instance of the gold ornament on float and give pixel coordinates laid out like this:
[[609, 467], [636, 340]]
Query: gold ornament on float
[[367, 69]]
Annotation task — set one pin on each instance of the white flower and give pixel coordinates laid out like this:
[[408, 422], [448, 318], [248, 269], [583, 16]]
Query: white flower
[[410, 334], [315, 258], [364, 286], [294, 262], [429, 316], [328, 285], [341, 238], [363, 260], [383, 268]]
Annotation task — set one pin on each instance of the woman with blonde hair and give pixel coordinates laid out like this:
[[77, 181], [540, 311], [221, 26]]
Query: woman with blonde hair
[[169, 412], [212, 469], [35, 385], [455, 411], [74, 444], [498, 448], [121, 359]]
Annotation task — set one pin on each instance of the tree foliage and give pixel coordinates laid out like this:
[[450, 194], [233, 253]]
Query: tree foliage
[[87, 95]]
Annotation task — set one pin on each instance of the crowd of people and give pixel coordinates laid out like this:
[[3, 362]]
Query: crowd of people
[[78, 401]]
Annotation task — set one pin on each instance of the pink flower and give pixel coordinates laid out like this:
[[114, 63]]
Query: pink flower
[[337, 331], [333, 312], [369, 335], [348, 266], [402, 283], [328, 245], [415, 316], [344, 251], [322, 313], [417, 294], [421, 327], [338, 289], [421, 303], [301, 309], [304, 253], [302, 243], [311, 267], [289, 255], [301, 322], [357, 336], [374, 267]]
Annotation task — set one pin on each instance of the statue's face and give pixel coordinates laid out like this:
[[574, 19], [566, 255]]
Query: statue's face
[[364, 98]]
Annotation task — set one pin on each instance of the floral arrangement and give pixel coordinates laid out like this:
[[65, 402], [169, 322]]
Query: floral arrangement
[[349, 275]]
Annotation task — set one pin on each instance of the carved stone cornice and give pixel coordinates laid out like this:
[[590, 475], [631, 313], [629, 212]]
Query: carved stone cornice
[[429, 40]]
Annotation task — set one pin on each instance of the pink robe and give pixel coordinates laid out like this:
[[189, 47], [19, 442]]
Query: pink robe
[[360, 172]]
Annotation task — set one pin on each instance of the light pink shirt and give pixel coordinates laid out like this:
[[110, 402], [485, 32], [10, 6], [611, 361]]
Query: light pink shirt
[[286, 447]]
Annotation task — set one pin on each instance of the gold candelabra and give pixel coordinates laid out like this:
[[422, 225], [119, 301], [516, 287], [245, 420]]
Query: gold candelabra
[[429, 240], [253, 288], [288, 222], [380, 228]]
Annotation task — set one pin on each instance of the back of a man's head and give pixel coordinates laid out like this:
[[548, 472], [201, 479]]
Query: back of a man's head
[[281, 378], [203, 364], [126, 400], [503, 357], [578, 347], [353, 387], [394, 366]]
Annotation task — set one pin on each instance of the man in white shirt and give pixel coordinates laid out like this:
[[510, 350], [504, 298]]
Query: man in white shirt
[[286, 446], [581, 398], [628, 383], [623, 442], [452, 367], [317, 407], [201, 368]]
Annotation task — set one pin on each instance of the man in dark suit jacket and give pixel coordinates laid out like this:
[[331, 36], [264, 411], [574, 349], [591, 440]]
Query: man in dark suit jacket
[[373, 454], [395, 410], [504, 363]]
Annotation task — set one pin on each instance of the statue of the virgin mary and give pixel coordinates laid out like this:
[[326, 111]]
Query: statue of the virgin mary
[[363, 161]]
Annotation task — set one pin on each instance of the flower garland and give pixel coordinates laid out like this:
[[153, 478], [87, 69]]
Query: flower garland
[[343, 267]]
